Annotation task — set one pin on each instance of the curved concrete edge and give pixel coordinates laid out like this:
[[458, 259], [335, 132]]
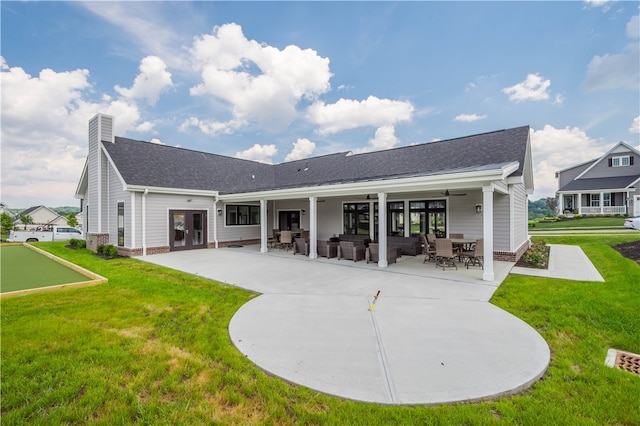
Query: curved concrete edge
[[408, 351]]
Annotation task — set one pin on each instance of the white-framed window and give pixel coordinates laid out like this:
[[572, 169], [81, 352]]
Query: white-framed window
[[606, 199], [621, 161], [595, 200]]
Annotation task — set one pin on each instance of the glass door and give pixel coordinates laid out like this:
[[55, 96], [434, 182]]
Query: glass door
[[187, 229]]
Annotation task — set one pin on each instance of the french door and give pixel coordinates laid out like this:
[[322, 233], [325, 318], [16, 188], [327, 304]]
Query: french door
[[289, 220], [187, 229]]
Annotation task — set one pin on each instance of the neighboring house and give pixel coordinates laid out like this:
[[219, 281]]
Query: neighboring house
[[607, 185], [41, 217], [148, 198]]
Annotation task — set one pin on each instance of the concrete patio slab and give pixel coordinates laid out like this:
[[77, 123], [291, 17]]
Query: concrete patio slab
[[431, 338]]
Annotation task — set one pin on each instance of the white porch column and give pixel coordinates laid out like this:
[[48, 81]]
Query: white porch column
[[580, 203], [602, 203], [382, 230], [263, 226], [313, 228], [487, 225]]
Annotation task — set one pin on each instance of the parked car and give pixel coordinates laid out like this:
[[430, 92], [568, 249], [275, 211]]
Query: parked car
[[632, 222]]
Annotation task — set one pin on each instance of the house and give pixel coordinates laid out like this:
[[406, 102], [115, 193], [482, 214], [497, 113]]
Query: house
[[148, 198], [607, 185], [41, 217]]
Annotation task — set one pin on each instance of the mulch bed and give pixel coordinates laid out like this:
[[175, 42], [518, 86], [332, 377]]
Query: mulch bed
[[524, 264], [629, 250]]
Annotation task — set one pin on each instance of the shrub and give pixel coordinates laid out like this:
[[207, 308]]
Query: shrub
[[73, 242], [537, 255], [82, 244], [110, 251], [100, 249]]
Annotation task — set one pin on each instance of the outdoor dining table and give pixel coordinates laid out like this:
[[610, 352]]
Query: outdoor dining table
[[460, 244]]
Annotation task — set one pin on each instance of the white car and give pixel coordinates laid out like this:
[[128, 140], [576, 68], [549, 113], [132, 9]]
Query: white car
[[632, 222]]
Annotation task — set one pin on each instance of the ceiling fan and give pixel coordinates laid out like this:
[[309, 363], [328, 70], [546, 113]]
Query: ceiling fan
[[446, 193]]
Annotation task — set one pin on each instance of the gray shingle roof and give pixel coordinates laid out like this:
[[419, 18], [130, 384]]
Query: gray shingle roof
[[153, 165], [604, 183]]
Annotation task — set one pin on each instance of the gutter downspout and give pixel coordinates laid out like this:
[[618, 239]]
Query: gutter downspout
[[215, 221], [144, 221]]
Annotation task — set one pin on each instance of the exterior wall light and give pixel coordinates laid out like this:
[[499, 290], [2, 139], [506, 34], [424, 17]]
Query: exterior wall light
[[219, 212], [478, 208]]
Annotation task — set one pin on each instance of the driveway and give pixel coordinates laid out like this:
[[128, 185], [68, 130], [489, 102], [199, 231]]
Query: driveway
[[430, 338]]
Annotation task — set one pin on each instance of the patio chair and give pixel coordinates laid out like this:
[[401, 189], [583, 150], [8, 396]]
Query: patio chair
[[273, 239], [445, 256], [429, 248], [327, 249], [475, 256], [351, 250], [301, 245], [373, 253], [286, 240]]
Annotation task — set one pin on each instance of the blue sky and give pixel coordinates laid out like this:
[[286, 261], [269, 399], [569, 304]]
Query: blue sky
[[276, 81]]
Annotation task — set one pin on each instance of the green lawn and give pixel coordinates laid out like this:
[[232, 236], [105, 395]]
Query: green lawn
[[23, 268], [152, 347], [584, 222]]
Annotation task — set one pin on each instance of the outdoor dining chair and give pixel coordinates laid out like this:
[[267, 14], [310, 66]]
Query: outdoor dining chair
[[429, 248], [445, 256], [475, 256], [286, 240]]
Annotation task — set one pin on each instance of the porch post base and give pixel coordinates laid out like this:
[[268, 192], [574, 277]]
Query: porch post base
[[488, 276], [382, 264]]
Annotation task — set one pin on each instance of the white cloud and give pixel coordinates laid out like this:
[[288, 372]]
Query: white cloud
[[604, 4], [635, 126], [556, 149], [44, 133], [533, 88], [146, 26], [350, 114], [261, 153], [384, 138], [152, 80], [469, 117], [212, 127], [615, 71], [633, 27], [260, 83], [302, 148]]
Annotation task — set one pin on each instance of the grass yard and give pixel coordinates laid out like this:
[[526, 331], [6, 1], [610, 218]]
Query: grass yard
[[584, 222], [23, 269], [152, 347]]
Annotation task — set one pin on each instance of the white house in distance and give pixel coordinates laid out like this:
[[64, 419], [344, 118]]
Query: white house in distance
[[147, 198], [607, 185], [41, 217]]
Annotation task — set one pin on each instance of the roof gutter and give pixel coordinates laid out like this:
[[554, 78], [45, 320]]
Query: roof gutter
[[414, 183]]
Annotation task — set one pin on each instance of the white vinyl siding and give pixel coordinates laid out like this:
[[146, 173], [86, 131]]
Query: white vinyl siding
[[501, 222], [520, 215], [114, 194]]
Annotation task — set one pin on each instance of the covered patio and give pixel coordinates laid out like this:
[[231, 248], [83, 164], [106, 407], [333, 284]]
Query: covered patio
[[486, 194]]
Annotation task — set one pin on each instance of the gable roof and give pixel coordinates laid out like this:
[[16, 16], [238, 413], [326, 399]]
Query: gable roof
[[146, 164], [606, 154], [600, 184]]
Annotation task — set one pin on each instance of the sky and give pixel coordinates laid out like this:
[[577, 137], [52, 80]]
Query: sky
[[280, 81]]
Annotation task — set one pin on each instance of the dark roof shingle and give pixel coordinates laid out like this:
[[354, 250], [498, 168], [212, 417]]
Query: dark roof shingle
[[153, 165]]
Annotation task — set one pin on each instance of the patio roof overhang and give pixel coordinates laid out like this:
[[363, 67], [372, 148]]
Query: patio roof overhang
[[596, 191], [495, 175]]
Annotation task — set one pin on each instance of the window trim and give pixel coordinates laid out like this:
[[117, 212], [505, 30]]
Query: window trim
[[120, 221], [252, 215]]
